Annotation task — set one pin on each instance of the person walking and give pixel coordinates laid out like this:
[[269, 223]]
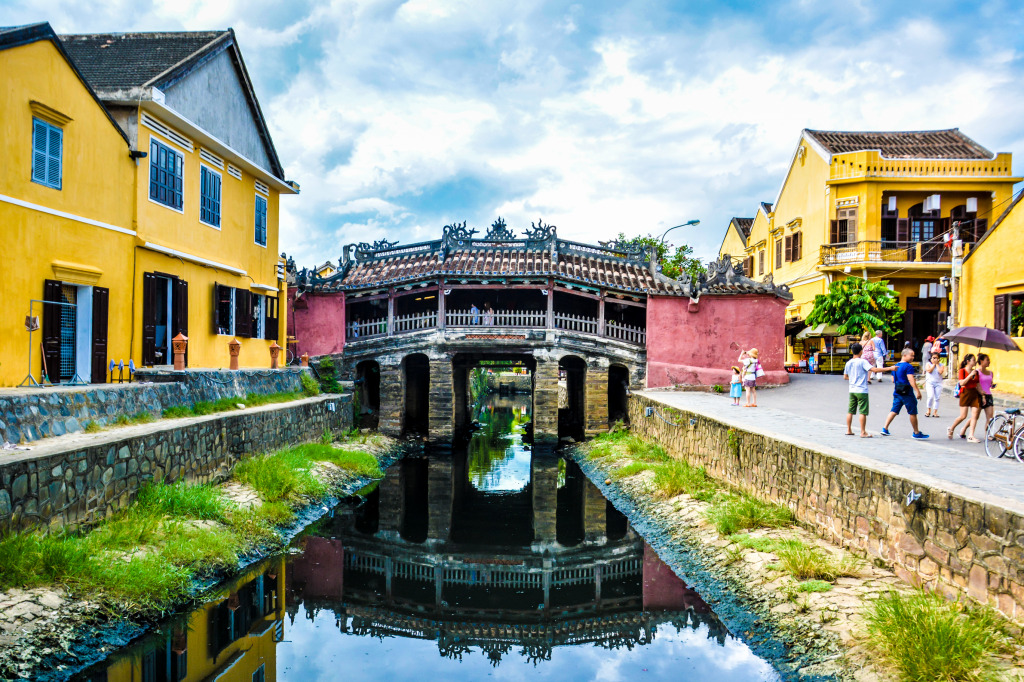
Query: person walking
[[926, 348], [970, 399], [905, 393], [488, 315], [879, 343], [986, 401], [857, 371], [475, 312], [867, 352], [748, 360], [933, 375]]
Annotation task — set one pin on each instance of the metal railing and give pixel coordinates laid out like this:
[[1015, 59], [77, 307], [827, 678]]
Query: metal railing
[[932, 251]]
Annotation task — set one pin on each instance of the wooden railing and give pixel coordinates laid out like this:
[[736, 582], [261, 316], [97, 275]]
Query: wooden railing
[[415, 321], [576, 323], [365, 329], [520, 319], [624, 332]]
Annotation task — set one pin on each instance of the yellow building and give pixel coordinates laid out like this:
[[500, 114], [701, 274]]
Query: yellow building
[[992, 293], [66, 216], [231, 638], [138, 199], [877, 205], [735, 241]]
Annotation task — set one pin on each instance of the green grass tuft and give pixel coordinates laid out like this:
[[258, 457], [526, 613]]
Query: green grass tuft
[[182, 500], [811, 563], [92, 427], [131, 420], [735, 512], [309, 385], [177, 412], [814, 586], [631, 469], [925, 637]]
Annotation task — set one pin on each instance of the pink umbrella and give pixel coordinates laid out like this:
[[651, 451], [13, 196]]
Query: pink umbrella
[[982, 337]]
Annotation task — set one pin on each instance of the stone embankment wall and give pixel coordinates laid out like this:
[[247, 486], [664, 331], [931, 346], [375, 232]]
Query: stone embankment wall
[[30, 414], [519, 383], [941, 541], [81, 479]]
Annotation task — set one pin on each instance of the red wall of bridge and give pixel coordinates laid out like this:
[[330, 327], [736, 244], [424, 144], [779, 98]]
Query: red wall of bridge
[[317, 321], [698, 348]]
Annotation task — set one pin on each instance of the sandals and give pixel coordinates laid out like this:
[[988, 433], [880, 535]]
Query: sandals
[[949, 433], [972, 439]]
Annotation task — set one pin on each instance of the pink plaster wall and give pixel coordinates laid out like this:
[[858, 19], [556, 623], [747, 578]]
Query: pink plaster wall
[[317, 321], [698, 348], [664, 590], [317, 572]]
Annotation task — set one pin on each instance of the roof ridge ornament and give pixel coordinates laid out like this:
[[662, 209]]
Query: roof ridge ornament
[[540, 232], [379, 245], [722, 277], [499, 231]]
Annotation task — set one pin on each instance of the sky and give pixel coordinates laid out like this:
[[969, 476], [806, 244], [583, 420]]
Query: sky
[[400, 116]]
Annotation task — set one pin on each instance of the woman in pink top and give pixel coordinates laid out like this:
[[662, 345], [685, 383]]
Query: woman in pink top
[[869, 351], [985, 387]]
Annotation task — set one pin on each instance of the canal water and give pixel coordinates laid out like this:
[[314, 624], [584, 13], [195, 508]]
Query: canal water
[[492, 561]]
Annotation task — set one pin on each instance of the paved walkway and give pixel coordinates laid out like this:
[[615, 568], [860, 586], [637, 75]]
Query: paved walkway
[[811, 412]]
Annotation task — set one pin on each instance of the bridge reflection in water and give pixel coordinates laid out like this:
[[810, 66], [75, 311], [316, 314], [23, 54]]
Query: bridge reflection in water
[[491, 556]]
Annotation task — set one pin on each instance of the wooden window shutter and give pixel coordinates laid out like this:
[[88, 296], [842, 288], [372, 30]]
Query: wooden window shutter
[[798, 246], [980, 228], [179, 323], [789, 248], [216, 309], [943, 228], [1001, 317], [149, 284], [903, 229], [100, 316], [760, 262], [271, 320], [243, 313], [834, 232], [51, 331], [778, 253], [38, 151]]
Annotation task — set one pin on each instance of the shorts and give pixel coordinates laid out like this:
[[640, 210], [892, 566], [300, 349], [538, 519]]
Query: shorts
[[749, 383], [858, 403], [907, 401], [735, 390], [969, 397], [986, 400]]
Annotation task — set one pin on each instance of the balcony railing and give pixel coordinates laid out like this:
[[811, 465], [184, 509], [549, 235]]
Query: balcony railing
[[515, 319], [932, 251]]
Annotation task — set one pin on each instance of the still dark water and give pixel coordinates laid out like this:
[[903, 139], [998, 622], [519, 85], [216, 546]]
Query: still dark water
[[490, 562]]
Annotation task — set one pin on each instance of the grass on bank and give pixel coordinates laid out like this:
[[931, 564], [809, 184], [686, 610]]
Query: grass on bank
[[803, 561], [730, 511], [205, 407], [924, 638], [145, 558]]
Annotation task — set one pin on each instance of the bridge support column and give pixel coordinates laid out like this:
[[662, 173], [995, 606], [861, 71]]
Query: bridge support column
[[597, 399], [595, 522], [544, 482], [439, 495], [441, 414], [391, 499], [460, 397], [545, 400], [392, 399]]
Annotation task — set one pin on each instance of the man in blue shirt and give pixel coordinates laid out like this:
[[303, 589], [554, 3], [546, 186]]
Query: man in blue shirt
[[905, 393]]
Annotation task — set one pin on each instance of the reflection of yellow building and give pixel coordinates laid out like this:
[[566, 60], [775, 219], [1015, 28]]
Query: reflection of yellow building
[[137, 199], [232, 638], [992, 293], [877, 205]]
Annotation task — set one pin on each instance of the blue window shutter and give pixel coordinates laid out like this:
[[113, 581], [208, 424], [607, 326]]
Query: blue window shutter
[[54, 156], [38, 151]]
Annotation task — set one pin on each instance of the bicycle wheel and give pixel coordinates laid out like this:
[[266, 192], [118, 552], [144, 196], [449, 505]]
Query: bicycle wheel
[[1018, 445], [998, 436]]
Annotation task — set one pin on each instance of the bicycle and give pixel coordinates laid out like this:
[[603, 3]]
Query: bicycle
[[1003, 432]]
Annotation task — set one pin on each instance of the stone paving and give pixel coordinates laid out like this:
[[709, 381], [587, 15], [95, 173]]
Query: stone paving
[[811, 412]]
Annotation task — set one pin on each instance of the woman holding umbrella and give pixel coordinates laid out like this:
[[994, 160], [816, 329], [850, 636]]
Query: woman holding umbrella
[[982, 337]]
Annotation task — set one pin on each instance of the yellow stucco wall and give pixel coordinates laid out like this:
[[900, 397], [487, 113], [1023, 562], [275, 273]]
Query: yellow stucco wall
[[97, 177], [734, 244], [989, 272]]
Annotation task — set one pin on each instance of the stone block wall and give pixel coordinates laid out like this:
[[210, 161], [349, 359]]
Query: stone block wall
[[519, 383], [79, 483], [33, 414], [943, 541]]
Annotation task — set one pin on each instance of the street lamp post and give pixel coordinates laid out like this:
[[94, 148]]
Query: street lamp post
[[686, 224]]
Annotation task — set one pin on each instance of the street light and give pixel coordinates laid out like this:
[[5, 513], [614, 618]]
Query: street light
[[686, 224]]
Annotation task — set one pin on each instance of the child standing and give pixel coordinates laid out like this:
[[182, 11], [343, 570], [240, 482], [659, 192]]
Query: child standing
[[857, 371], [736, 386]]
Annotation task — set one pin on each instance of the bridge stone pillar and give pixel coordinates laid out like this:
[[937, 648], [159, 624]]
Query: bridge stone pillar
[[439, 497], [597, 398], [595, 507], [441, 413], [392, 398], [460, 397], [544, 484], [390, 502], [545, 399]]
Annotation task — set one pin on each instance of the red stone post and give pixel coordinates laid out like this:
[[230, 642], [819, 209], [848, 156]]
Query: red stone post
[[179, 344], [275, 354], [234, 347]]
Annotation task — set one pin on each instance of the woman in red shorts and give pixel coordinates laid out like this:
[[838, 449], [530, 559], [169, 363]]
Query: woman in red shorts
[[970, 399]]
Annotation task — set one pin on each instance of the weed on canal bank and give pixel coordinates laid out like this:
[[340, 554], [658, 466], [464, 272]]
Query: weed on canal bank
[[147, 557], [205, 407]]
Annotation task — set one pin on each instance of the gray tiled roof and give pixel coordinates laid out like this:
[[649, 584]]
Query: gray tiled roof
[[127, 60], [919, 144], [744, 225]]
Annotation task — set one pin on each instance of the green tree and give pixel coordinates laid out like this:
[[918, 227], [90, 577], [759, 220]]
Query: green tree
[[672, 264], [857, 306]]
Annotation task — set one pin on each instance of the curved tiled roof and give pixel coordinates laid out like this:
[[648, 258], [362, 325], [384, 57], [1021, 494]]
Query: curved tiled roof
[[920, 144]]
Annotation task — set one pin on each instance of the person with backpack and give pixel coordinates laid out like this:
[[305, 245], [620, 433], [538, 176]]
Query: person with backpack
[[905, 393]]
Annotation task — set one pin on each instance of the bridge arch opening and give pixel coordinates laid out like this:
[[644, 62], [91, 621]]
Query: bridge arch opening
[[368, 386], [416, 378], [572, 378], [618, 392]]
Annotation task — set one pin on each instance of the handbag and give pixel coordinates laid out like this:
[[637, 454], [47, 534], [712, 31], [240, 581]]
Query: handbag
[[758, 372]]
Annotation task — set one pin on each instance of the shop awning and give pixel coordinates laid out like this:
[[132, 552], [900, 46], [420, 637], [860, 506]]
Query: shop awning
[[794, 327], [820, 330]]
